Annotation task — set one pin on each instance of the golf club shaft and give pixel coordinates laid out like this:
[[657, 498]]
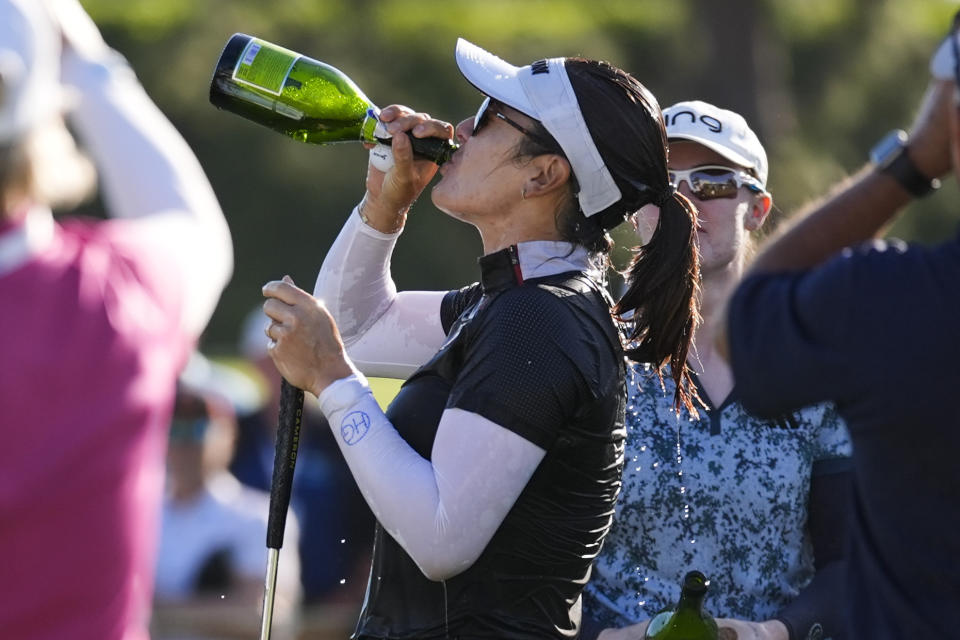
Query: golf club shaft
[[285, 459], [269, 593]]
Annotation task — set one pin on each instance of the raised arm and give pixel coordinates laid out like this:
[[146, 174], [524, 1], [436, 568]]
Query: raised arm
[[386, 333], [148, 172], [863, 206]]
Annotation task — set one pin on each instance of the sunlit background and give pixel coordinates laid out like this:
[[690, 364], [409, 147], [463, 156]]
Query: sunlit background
[[820, 81]]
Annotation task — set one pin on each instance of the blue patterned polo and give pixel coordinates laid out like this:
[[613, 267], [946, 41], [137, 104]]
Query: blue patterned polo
[[726, 494]]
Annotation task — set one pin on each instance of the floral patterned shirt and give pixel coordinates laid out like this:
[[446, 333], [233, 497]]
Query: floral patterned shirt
[[725, 494]]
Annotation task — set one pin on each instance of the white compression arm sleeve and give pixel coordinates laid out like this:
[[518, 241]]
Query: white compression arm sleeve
[[386, 333], [148, 172], [443, 511]]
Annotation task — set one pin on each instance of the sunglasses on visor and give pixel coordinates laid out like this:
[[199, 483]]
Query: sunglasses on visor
[[710, 182], [489, 109]]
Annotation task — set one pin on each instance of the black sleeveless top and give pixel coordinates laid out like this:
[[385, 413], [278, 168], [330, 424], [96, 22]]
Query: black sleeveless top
[[542, 358]]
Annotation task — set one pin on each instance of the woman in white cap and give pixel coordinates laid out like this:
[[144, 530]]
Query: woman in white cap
[[494, 472], [756, 505]]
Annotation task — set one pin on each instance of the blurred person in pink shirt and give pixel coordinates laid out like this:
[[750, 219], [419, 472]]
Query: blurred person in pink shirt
[[98, 319]]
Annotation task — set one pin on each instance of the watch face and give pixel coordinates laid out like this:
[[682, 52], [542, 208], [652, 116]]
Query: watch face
[[885, 150]]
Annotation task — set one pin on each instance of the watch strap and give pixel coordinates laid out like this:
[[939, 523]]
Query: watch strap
[[902, 169]]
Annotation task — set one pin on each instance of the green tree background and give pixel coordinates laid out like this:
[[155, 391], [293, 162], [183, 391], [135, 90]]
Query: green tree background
[[820, 80]]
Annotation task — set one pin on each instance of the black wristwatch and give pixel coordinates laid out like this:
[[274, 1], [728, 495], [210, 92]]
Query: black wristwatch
[[890, 157]]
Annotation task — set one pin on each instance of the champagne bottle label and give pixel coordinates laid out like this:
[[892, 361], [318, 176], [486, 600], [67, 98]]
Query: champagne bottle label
[[372, 129], [265, 66]]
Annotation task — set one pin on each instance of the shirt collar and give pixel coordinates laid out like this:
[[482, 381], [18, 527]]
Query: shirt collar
[[535, 259]]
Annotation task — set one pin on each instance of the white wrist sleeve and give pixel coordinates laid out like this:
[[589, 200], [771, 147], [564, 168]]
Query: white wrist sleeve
[[442, 511], [386, 333]]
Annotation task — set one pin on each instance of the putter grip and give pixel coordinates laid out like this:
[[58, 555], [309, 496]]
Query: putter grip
[[285, 458]]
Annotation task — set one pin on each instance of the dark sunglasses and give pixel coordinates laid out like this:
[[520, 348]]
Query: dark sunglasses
[[489, 109], [710, 182]]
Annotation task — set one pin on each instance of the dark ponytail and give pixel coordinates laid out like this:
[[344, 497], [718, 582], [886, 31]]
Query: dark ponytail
[[661, 304], [662, 301]]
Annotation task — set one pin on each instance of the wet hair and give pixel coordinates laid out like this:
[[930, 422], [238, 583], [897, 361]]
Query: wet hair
[[661, 303]]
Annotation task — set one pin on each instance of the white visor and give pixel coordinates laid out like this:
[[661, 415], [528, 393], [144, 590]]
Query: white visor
[[542, 91]]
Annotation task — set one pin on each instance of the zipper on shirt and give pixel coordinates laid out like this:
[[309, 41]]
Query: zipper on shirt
[[515, 261]]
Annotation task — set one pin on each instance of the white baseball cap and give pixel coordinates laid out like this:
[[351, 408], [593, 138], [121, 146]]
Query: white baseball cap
[[29, 68], [542, 91], [720, 130]]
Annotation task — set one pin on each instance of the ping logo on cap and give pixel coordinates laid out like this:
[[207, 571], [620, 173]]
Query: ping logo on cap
[[709, 122]]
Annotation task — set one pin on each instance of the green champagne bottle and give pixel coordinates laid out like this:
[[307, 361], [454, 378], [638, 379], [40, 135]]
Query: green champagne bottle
[[306, 99], [687, 621]]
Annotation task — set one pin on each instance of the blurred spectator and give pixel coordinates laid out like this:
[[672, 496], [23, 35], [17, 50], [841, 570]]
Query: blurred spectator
[[335, 521], [98, 319], [830, 312], [212, 556]]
